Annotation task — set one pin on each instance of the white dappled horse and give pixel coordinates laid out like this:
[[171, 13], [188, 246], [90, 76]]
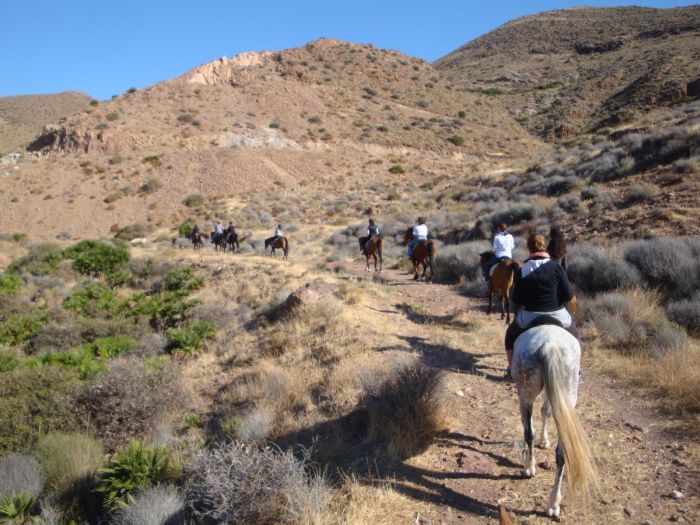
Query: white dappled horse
[[547, 357]]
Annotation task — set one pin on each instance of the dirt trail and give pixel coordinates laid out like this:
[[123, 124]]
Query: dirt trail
[[476, 466]]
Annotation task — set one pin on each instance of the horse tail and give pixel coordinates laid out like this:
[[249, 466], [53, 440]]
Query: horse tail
[[285, 246], [578, 457]]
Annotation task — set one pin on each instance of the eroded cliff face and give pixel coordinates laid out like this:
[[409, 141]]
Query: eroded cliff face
[[224, 71]]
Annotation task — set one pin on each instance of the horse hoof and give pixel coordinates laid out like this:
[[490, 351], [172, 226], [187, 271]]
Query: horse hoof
[[544, 444], [553, 512], [529, 472]]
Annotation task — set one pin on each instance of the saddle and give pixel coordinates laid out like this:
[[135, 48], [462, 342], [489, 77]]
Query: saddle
[[543, 320]]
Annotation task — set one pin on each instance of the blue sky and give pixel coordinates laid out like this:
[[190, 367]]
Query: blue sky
[[103, 47]]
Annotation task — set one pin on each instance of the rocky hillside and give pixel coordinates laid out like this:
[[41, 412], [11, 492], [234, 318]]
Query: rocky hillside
[[328, 116], [22, 117], [576, 70]]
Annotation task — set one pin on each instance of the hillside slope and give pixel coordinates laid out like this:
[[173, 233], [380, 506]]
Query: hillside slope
[[22, 117], [328, 116], [568, 71]]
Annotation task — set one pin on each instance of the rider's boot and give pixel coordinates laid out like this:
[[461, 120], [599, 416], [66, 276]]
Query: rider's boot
[[509, 355]]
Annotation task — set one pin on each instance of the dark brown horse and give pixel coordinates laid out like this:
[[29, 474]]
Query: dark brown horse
[[277, 242], [197, 240], [219, 241], [373, 249], [424, 253], [501, 278], [233, 241]]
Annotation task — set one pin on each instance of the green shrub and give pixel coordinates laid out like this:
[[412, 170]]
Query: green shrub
[[190, 337], [136, 467], [69, 460], [8, 360], [90, 358], [92, 299], [42, 259], [397, 169], [116, 159], [19, 328], [136, 230], [35, 401], [185, 229], [10, 283], [456, 140], [112, 116], [193, 200], [98, 257], [153, 160], [184, 279], [185, 117], [193, 421], [461, 114], [19, 237], [163, 310], [119, 278], [16, 508]]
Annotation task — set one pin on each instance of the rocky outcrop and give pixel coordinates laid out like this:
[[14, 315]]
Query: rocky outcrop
[[309, 294], [233, 72]]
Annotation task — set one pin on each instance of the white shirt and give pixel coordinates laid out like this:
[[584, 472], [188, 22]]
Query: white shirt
[[420, 232], [503, 245], [219, 228], [278, 232]]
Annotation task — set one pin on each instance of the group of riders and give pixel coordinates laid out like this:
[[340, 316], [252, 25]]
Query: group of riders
[[541, 287], [220, 233]]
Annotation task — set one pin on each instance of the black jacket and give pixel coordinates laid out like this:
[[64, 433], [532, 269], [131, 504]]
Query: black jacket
[[544, 290]]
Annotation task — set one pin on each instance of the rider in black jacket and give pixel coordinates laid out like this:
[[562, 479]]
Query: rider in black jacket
[[541, 288]]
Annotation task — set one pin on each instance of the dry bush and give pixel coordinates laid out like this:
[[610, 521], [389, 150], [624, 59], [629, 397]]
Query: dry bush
[[20, 474], [460, 262], [600, 269], [686, 313], [129, 400], [237, 484], [159, 505], [70, 461], [633, 323], [667, 263], [255, 426], [407, 410]]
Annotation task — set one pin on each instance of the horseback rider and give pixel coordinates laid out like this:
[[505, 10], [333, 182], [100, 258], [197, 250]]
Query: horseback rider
[[230, 230], [420, 233], [194, 233], [218, 232], [557, 246], [372, 231], [541, 289], [278, 233], [503, 245]]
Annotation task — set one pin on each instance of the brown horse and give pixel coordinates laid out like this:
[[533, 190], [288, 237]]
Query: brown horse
[[501, 279], [373, 248], [233, 241], [197, 240], [279, 242], [219, 241], [424, 253]]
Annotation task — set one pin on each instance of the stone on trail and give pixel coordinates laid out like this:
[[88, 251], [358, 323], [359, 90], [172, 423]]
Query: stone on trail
[[676, 494], [306, 295]]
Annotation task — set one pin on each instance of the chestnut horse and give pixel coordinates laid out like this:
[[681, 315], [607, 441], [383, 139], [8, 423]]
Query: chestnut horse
[[424, 253], [197, 240], [501, 278], [280, 242], [373, 248]]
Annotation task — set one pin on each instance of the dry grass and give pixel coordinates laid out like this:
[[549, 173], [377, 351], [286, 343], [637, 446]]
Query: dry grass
[[407, 410]]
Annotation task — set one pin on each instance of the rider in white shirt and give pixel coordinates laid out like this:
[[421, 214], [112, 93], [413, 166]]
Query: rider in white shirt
[[420, 233], [503, 245], [218, 231]]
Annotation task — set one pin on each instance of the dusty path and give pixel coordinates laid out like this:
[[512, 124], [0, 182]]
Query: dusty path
[[476, 466]]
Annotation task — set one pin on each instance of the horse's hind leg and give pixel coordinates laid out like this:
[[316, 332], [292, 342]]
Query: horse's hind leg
[[490, 298], [546, 413], [555, 496], [529, 434], [501, 301]]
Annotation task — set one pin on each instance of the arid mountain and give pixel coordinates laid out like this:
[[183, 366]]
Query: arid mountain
[[22, 117], [576, 70], [328, 116]]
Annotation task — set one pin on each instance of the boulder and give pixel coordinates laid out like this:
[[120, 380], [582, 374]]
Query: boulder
[[308, 294]]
